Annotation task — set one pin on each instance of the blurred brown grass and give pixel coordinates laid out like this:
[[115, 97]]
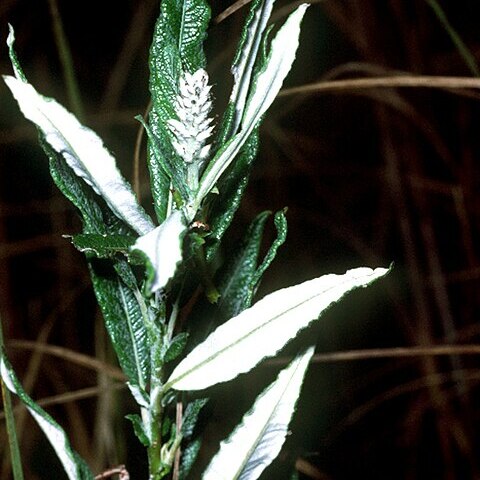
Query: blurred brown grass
[[373, 147]]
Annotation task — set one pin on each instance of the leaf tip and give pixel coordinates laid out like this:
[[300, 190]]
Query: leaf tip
[[11, 35]]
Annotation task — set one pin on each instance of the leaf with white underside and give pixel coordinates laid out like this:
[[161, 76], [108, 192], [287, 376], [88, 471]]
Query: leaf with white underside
[[163, 248], [268, 83], [83, 151], [246, 56], [257, 441], [262, 330], [75, 468]]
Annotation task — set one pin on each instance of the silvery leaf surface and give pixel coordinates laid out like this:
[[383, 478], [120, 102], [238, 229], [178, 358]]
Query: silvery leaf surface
[[74, 466], [257, 441], [83, 151], [242, 67], [163, 248], [263, 329], [268, 83]]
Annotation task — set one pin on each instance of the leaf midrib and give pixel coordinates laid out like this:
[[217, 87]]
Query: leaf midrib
[[252, 332]]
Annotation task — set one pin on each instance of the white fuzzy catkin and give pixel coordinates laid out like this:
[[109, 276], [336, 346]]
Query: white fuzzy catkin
[[193, 126]]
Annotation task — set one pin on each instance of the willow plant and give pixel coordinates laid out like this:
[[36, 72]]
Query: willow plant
[[145, 271]]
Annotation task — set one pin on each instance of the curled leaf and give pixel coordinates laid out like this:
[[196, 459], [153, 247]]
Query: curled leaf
[[163, 248], [83, 151], [264, 90]]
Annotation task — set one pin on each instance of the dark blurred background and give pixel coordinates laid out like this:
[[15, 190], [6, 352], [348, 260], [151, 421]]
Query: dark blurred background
[[371, 172]]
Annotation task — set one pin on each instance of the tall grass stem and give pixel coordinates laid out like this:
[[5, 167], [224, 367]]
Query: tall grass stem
[[10, 422], [65, 55]]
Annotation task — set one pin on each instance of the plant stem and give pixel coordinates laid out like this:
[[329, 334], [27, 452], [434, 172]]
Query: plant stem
[[154, 451], [211, 291], [10, 421]]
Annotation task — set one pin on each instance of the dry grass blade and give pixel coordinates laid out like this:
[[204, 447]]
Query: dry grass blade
[[377, 353], [230, 11], [70, 356], [35, 361], [399, 390], [398, 81], [306, 468], [121, 471], [133, 41], [66, 60]]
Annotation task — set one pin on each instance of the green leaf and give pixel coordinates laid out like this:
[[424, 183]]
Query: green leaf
[[159, 181], [75, 190], [83, 151], [231, 189], [262, 330], [257, 441], [176, 347], [124, 320], [189, 455], [139, 429], [177, 46], [190, 417], [246, 56], [173, 169], [235, 280], [281, 226], [74, 466], [266, 86], [166, 427], [234, 182], [126, 274], [103, 246], [13, 55]]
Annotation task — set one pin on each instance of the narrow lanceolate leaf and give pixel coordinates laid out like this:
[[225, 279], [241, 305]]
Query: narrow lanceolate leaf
[[103, 246], [17, 69], [235, 279], [124, 320], [257, 441], [242, 67], [262, 330], [74, 466], [83, 151], [231, 189], [177, 46], [163, 249], [76, 190], [265, 89], [268, 83], [280, 221]]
